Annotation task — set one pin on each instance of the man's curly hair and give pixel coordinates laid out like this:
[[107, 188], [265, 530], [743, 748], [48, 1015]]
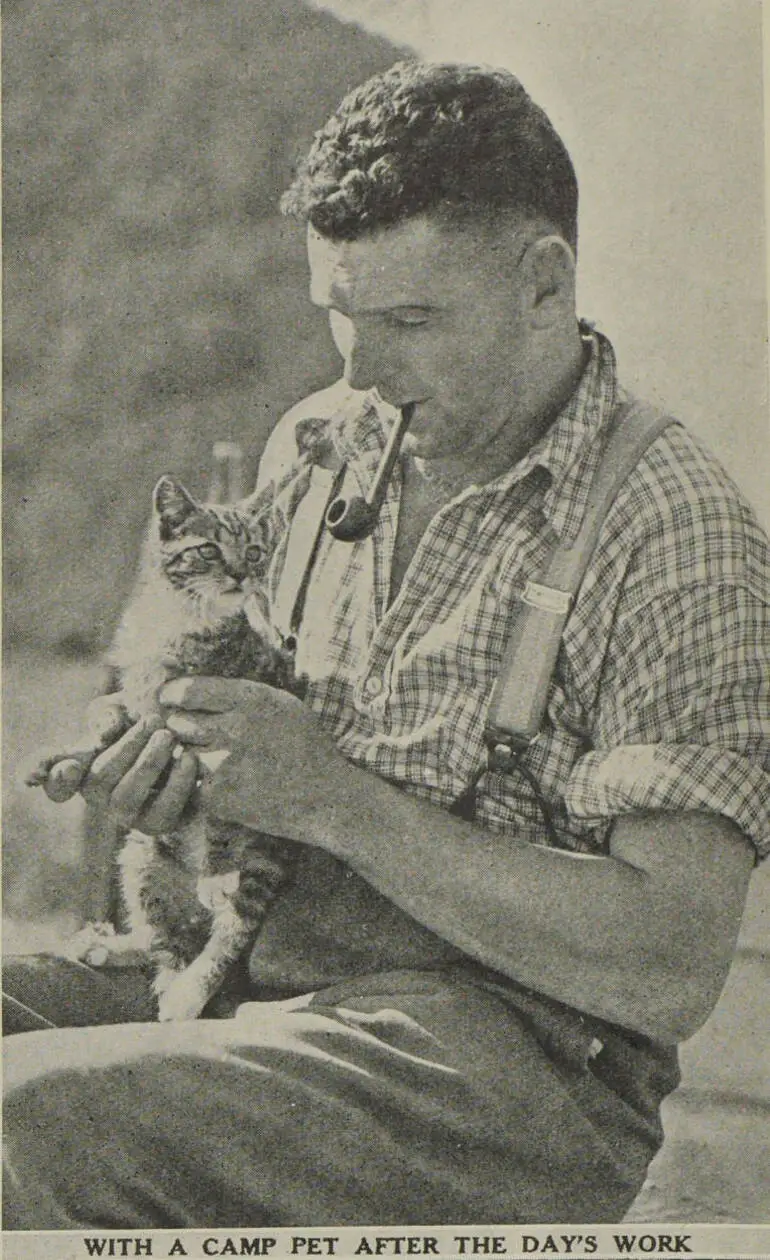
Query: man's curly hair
[[457, 141]]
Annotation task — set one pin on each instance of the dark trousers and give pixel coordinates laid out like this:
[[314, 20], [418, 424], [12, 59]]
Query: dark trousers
[[411, 1097]]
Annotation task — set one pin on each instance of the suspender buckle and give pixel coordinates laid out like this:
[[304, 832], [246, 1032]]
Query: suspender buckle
[[504, 749]]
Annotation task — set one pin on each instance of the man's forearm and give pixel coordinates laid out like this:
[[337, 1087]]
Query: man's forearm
[[643, 937], [639, 938]]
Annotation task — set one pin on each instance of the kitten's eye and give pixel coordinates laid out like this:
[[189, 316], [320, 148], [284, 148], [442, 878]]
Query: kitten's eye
[[209, 551], [255, 554]]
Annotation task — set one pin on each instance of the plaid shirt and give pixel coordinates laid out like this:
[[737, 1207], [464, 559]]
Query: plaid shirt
[[661, 694]]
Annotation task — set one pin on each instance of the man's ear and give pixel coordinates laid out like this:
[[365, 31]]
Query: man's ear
[[549, 266]]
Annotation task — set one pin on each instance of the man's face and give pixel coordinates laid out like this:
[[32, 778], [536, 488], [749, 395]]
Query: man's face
[[435, 316]]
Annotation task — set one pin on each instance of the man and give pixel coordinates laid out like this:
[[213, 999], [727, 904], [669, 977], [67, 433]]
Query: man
[[475, 1017]]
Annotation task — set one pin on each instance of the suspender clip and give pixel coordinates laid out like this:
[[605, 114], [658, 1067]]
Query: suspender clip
[[504, 748]]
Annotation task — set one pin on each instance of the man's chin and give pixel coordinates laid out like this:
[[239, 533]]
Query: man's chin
[[428, 445], [421, 438]]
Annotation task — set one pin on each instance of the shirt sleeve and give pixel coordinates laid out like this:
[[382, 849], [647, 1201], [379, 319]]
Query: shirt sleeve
[[683, 717]]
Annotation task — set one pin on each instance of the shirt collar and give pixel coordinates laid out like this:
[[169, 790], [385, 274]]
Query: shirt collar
[[568, 451], [359, 434]]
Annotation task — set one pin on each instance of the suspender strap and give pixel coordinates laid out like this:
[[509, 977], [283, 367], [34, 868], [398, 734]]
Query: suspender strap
[[305, 533], [520, 695]]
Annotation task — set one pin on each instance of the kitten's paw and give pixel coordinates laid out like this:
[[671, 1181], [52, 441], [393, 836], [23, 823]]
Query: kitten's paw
[[215, 892], [99, 945], [183, 997], [91, 944]]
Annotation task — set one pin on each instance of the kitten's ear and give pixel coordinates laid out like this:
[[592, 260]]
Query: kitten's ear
[[173, 506]]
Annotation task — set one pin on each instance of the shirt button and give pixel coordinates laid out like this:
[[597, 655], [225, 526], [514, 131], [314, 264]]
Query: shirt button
[[372, 687]]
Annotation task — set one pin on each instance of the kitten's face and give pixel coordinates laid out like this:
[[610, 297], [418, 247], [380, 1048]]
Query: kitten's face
[[216, 555]]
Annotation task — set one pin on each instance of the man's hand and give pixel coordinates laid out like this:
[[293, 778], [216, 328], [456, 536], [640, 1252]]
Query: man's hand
[[136, 773], [282, 769], [123, 779]]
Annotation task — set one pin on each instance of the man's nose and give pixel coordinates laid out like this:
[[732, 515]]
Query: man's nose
[[365, 361]]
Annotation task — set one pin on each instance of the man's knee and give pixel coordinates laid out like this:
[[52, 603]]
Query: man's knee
[[38, 1057]]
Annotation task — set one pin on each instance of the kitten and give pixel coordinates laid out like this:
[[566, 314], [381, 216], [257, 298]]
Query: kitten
[[198, 896]]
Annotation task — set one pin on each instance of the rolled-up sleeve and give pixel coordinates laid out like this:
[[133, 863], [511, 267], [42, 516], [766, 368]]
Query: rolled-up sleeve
[[683, 719]]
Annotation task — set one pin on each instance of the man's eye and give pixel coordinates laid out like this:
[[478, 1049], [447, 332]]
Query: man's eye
[[410, 317]]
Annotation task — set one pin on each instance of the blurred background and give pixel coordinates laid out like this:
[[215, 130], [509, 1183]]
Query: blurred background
[[155, 302]]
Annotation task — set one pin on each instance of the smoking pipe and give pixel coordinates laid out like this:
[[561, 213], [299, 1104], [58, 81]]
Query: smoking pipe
[[350, 520]]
